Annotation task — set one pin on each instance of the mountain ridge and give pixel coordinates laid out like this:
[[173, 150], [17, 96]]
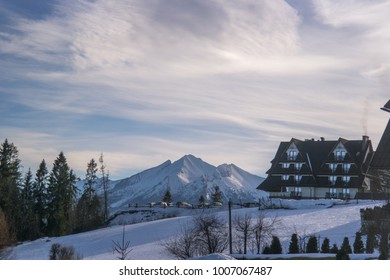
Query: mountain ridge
[[187, 179]]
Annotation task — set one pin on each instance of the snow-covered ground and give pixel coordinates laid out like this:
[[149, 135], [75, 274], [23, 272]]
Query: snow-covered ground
[[323, 218]]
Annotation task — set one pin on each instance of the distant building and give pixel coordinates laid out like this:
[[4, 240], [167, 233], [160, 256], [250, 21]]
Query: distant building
[[319, 169]]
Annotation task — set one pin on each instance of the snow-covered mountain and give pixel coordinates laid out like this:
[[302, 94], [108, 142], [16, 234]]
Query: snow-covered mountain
[[187, 179]]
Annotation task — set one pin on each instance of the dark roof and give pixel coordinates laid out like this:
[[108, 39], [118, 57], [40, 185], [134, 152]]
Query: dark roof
[[381, 157], [386, 107]]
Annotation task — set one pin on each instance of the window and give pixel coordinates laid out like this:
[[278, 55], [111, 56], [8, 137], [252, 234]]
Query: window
[[285, 165], [333, 192], [285, 177], [298, 178], [346, 179], [345, 191], [292, 155], [346, 167], [332, 179], [298, 166], [333, 167], [339, 155], [285, 189]]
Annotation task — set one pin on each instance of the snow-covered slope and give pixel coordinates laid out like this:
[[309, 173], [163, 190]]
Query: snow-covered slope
[[187, 179], [146, 239]]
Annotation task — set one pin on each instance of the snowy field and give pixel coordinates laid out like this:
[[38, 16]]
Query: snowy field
[[323, 218]]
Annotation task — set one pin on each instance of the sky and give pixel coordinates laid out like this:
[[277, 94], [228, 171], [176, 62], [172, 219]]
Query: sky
[[224, 80]]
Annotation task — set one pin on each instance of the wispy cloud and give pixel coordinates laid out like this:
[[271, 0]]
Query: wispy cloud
[[144, 81]]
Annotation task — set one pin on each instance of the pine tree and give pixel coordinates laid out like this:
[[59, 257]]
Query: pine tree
[[294, 247], [167, 197], [276, 247], [217, 195], [5, 240], [89, 212], [202, 201], [312, 245], [345, 246], [61, 197], [325, 247], [29, 222], [370, 242], [334, 249], [358, 245], [40, 195], [104, 183], [10, 179]]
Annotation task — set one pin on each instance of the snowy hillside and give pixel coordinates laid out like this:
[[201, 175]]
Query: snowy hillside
[[187, 179], [146, 239]]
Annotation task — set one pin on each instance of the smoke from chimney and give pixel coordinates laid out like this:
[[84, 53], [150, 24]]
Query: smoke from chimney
[[366, 110]]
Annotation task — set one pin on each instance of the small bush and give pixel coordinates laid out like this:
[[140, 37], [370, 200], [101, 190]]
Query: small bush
[[60, 252]]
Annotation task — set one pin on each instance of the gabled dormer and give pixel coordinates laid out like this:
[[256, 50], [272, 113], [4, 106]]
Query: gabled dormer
[[292, 152]]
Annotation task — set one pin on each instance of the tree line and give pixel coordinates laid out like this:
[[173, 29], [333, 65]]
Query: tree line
[[48, 203]]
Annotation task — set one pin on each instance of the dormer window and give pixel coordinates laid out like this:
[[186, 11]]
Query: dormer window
[[292, 155], [339, 155]]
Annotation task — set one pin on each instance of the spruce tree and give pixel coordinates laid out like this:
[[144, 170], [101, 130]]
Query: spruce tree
[[5, 239], [334, 249], [276, 247], [325, 247], [294, 247], [370, 242], [61, 198], [10, 179], [29, 222], [40, 195], [345, 246], [217, 195], [312, 245], [89, 213], [167, 197], [358, 245], [105, 185], [202, 201]]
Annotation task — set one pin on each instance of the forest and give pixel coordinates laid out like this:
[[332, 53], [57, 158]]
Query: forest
[[48, 203]]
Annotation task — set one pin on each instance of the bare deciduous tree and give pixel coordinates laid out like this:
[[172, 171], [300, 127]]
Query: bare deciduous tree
[[263, 229], [243, 225], [183, 246]]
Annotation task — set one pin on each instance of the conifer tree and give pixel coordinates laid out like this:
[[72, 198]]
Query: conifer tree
[[89, 212], [167, 197], [40, 195], [334, 249], [29, 222], [294, 247], [325, 247], [312, 246], [4, 231], [276, 246], [345, 246], [358, 245], [217, 195], [10, 178], [104, 183], [370, 242], [61, 197]]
